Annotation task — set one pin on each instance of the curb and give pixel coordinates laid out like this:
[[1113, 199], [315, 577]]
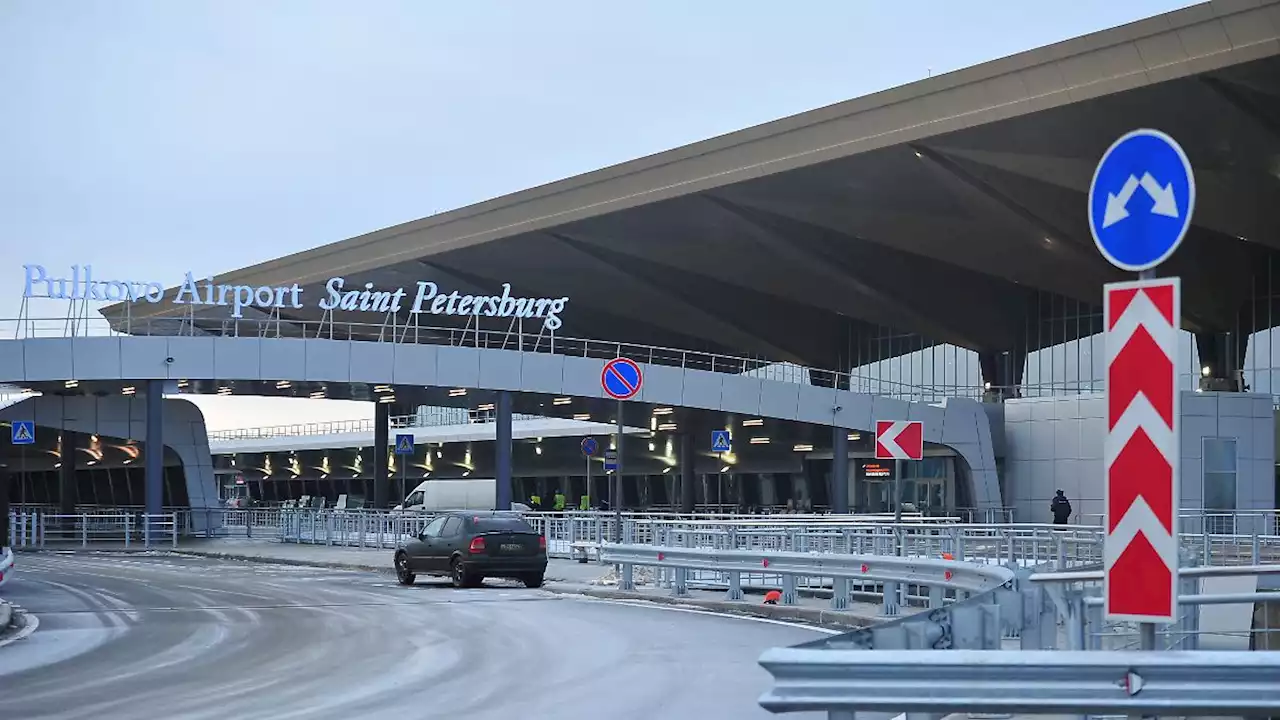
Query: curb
[[284, 561], [821, 617], [16, 624]]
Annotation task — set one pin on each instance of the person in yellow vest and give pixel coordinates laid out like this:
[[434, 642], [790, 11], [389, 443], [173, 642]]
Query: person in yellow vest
[[535, 502], [559, 501], [584, 503]]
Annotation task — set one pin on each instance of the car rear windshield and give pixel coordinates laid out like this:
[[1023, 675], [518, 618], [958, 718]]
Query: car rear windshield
[[501, 524]]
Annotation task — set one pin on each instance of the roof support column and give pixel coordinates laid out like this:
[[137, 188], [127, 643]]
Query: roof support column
[[67, 488], [154, 450], [502, 452], [4, 507], [381, 429], [688, 478], [1002, 374], [839, 471], [1221, 360]]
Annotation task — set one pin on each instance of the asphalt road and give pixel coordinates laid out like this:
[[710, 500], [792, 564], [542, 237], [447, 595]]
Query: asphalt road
[[135, 636]]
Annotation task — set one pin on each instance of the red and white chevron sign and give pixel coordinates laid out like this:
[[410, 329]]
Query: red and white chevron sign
[[1141, 453], [899, 440]]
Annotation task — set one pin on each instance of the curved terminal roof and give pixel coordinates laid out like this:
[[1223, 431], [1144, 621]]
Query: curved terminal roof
[[950, 208]]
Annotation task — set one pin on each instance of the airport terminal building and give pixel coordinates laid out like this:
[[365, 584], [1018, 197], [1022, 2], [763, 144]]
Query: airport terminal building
[[921, 253]]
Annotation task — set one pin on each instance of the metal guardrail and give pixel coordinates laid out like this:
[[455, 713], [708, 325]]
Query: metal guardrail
[[40, 530], [843, 682], [893, 572]]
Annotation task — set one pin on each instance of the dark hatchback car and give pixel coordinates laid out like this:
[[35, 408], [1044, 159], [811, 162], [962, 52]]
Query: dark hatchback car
[[470, 546]]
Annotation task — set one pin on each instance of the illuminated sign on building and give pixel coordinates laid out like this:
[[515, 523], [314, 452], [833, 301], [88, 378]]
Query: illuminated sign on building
[[876, 470], [427, 297]]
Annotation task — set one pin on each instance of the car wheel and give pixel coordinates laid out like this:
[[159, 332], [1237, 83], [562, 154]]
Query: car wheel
[[532, 581], [403, 576]]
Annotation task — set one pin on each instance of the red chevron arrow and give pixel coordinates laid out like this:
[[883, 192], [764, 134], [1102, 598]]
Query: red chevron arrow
[[1139, 583], [1161, 296], [1140, 470], [1141, 367]]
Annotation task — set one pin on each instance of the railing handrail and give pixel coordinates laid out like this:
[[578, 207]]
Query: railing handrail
[[512, 338], [338, 427]]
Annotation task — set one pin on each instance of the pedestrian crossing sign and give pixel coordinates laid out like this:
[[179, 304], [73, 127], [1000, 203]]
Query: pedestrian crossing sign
[[24, 432], [404, 444], [720, 441]]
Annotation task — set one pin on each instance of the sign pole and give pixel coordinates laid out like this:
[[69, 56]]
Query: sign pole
[[588, 459], [617, 482], [621, 380]]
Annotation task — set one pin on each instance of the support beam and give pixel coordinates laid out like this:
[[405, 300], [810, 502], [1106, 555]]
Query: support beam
[[688, 477], [502, 452], [839, 471], [154, 447], [68, 491], [381, 428]]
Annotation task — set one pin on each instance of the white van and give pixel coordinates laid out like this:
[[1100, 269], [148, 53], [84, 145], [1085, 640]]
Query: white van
[[436, 495]]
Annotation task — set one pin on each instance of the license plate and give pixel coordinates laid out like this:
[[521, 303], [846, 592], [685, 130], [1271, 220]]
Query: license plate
[[511, 547]]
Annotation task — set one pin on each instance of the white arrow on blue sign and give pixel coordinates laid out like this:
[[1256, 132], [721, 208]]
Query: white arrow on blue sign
[[720, 441], [1141, 200], [23, 432]]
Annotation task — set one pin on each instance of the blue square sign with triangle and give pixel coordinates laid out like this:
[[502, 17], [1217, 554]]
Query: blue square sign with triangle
[[404, 444], [720, 441], [24, 432]]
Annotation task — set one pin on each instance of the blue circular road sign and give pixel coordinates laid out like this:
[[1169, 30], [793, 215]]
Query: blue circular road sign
[[621, 378], [590, 447], [1141, 200]]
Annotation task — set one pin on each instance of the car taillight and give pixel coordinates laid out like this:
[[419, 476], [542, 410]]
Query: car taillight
[[542, 542], [477, 545]]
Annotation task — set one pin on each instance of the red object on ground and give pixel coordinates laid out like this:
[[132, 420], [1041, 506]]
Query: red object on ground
[[773, 597]]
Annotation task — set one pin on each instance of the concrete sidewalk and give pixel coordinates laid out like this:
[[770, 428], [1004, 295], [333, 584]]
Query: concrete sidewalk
[[563, 577]]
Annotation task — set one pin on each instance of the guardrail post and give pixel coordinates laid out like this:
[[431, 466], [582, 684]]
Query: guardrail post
[[146, 531], [173, 518], [936, 595], [627, 581], [84, 529], [128, 531], [840, 593], [788, 589], [735, 585], [890, 608], [1256, 553], [681, 585]]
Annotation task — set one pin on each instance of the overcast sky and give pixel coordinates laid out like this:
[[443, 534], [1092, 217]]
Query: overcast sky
[[149, 138]]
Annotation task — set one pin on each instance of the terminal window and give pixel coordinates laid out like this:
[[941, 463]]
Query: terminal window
[[1220, 484]]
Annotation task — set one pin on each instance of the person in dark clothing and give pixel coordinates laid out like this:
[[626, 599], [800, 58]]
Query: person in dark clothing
[[1061, 508]]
